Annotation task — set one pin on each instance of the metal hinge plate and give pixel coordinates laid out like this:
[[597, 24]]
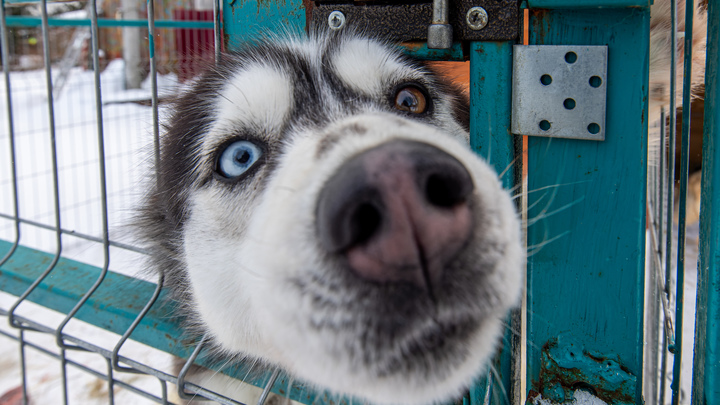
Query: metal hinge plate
[[559, 91]]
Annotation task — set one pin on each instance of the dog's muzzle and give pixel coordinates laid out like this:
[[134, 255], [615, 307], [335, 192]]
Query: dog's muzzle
[[398, 212]]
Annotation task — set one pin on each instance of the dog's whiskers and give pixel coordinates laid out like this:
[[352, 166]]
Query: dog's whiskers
[[502, 174], [517, 333], [546, 214], [218, 370], [533, 249], [545, 188], [497, 382]]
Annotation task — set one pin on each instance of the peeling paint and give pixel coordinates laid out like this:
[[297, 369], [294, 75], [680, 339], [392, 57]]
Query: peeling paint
[[567, 366]]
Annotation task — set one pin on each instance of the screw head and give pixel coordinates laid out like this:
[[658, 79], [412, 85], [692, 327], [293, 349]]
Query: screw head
[[476, 18], [336, 20]]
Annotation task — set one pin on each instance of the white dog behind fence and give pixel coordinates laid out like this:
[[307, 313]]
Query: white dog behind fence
[[318, 209]]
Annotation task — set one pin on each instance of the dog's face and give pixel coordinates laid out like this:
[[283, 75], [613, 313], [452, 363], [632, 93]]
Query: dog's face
[[318, 208]]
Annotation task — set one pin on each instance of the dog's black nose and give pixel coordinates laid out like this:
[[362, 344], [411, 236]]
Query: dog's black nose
[[398, 212]]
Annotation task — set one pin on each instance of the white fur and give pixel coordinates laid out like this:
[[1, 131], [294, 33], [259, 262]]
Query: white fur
[[366, 66], [296, 343], [255, 309], [245, 247], [259, 97]]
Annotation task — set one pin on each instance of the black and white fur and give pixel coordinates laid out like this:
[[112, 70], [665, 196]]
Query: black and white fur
[[273, 266]]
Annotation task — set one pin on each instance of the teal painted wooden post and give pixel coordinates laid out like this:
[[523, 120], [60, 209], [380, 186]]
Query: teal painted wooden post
[[490, 106], [490, 137], [248, 19], [706, 363], [586, 232]]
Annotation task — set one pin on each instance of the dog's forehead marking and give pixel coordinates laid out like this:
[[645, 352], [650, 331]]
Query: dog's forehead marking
[[367, 66], [258, 97]]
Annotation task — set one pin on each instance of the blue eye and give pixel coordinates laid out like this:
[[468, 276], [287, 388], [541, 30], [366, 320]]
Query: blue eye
[[237, 158]]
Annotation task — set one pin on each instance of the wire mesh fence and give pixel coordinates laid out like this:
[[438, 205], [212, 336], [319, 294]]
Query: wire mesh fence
[[671, 271], [80, 140]]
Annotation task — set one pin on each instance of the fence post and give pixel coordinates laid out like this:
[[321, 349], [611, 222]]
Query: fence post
[[246, 20], [586, 221], [490, 137], [706, 363]]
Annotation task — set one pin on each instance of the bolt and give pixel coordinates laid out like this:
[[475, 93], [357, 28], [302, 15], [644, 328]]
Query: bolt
[[336, 20], [476, 18]]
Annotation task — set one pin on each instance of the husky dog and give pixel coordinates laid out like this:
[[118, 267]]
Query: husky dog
[[318, 209]]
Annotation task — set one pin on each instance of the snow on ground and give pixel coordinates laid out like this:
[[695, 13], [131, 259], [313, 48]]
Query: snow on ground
[[128, 154], [43, 371], [77, 14], [128, 151], [580, 397]]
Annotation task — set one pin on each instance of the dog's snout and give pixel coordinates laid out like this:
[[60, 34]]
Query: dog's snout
[[398, 212]]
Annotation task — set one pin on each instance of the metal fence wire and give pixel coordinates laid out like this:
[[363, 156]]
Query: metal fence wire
[[82, 322]]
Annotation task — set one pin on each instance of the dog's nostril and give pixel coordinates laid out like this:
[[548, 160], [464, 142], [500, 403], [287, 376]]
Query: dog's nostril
[[364, 223], [397, 212], [446, 190], [349, 211]]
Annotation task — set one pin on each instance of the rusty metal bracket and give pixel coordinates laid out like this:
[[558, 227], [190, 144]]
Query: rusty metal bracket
[[483, 20]]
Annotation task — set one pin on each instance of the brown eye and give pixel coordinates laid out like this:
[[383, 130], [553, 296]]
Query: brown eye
[[411, 99]]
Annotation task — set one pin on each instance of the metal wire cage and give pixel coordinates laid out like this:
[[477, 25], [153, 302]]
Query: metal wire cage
[[69, 278], [671, 269]]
